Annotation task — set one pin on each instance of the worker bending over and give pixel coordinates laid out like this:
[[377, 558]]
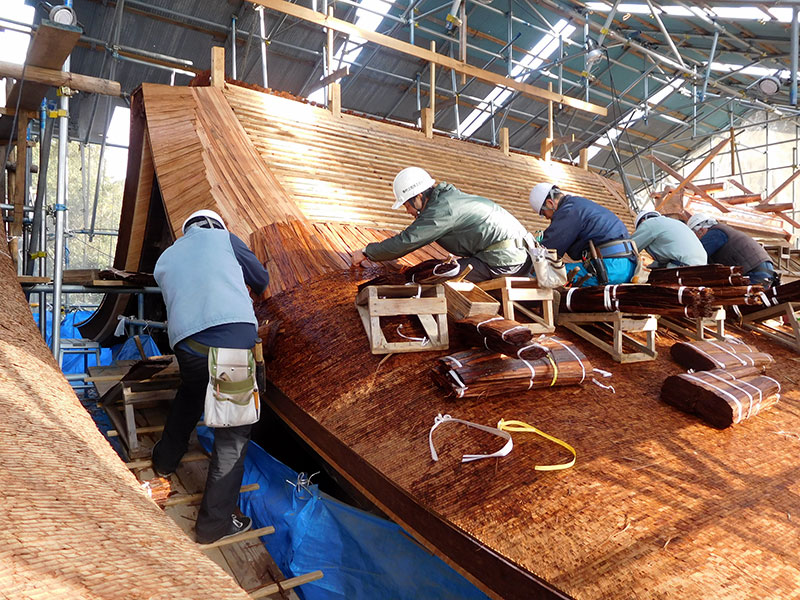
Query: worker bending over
[[574, 222], [203, 278], [486, 235], [728, 246], [670, 242]]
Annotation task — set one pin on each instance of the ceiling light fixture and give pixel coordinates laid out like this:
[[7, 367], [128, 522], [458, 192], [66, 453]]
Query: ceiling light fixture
[[769, 85]]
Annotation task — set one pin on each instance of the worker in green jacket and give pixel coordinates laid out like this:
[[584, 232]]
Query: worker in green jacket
[[486, 235]]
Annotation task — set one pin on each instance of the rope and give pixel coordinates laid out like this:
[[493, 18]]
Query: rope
[[440, 418], [522, 427]]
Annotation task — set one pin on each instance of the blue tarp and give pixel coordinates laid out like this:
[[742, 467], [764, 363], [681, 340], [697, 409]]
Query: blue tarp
[[362, 556], [74, 363]]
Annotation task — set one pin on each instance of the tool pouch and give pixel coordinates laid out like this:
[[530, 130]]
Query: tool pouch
[[232, 393], [549, 269]]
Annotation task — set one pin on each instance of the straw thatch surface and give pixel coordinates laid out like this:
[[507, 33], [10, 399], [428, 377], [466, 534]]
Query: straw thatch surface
[[74, 522]]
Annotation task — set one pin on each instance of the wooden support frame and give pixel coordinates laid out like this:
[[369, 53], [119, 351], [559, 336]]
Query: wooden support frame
[[285, 585], [701, 328], [583, 162], [335, 99], [515, 290], [788, 311], [504, 146], [52, 77], [20, 175], [467, 299], [427, 122], [781, 187], [619, 325], [685, 181], [458, 66], [696, 189], [426, 302]]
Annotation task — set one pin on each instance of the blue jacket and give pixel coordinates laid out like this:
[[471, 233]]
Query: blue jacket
[[578, 220], [202, 279]]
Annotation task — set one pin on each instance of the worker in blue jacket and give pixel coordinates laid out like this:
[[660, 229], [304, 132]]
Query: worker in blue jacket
[[574, 221], [204, 278]]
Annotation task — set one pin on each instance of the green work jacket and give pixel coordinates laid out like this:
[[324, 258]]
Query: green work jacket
[[462, 224]]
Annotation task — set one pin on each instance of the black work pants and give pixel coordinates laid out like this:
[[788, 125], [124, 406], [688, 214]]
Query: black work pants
[[227, 459], [483, 272]]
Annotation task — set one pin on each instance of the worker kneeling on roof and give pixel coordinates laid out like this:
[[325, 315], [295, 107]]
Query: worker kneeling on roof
[[203, 277], [728, 246], [670, 242], [577, 225], [486, 235]]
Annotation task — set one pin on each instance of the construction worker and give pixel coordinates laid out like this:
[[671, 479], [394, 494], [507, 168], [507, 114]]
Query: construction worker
[[203, 278], [486, 235], [669, 241], [574, 222], [728, 246]]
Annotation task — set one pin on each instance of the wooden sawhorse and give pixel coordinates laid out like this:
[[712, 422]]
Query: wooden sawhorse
[[619, 325], [757, 321], [513, 291], [701, 328]]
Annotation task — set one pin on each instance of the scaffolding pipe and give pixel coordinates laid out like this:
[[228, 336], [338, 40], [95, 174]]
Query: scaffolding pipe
[[263, 44], [61, 213], [38, 209], [708, 65], [795, 27], [233, 46], [663, 29]]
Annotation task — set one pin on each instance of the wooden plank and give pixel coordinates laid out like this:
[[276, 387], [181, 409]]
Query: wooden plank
[[775, 208], [669, 170], [427, 122], [504, 147], [345, 27], [741, 186], [217, 66], [242, 537], [742, 199], [782, 186], [20, 176], [286, 584]]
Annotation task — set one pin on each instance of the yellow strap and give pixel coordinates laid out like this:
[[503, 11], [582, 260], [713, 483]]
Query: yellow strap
[[522, 427], [555, 370]]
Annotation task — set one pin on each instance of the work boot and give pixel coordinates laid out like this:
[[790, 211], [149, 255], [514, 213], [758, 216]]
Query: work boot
[[238, 525]]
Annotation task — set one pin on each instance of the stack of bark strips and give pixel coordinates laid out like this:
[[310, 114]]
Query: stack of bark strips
[[637, 299], [425, 303], [710, 354], [722, 397], [497, 334], [477, 373]]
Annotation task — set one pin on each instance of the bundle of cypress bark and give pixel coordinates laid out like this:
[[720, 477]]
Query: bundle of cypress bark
[[432, 271], [475, 373], [788, 292], [709, 354], [699, 275], [500, 335], [721, 397], [639, 299]]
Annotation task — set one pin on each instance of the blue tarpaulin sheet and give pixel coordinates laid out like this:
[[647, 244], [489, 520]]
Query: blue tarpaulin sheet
[[362, 556]]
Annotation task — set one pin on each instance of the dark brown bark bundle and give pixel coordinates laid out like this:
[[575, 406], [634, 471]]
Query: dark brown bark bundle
[[750, 295], [500, 335], [432, 271], [707, 355], [475, 373], [788, 292], [721, 398], [639, 299], [707, 275]]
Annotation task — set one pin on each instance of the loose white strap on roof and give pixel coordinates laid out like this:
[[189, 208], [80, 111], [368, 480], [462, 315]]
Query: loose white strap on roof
[[569, 298], [440, 418]]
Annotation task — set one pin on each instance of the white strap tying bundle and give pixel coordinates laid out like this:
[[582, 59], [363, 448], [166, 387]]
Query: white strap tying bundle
[[440, 418]]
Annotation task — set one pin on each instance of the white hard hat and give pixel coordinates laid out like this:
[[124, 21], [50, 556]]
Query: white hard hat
[[645, 214], [408, 183], [205, 218], [539, 193], [700, 220]]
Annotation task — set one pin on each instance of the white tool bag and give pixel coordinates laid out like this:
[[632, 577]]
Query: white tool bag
[[549, 269], [232, 393]]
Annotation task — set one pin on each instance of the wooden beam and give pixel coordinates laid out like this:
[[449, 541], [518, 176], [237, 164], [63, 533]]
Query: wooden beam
[[546, 148], [712, 187], [9, 111], [335, 99], [51, 77], [584, 159], [781, 187], [345, 27], [217, 67], [242, 537], [504, 140], [742, 199], [688, 179], [774, 208], [20, 175], [427, 122], [286, 584], [564, 139], [740, 186], [686, 182]]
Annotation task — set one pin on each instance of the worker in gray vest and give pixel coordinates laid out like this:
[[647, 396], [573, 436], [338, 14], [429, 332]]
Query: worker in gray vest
[[669, 241], [203, 277], [486, 235], [728, 246]]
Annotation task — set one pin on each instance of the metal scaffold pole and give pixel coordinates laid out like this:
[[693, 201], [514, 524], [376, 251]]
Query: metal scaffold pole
[[61, 215]]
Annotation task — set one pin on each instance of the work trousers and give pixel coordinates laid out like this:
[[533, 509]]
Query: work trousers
[[620, 270], [763, 274], [483, 272], [227, 459]]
